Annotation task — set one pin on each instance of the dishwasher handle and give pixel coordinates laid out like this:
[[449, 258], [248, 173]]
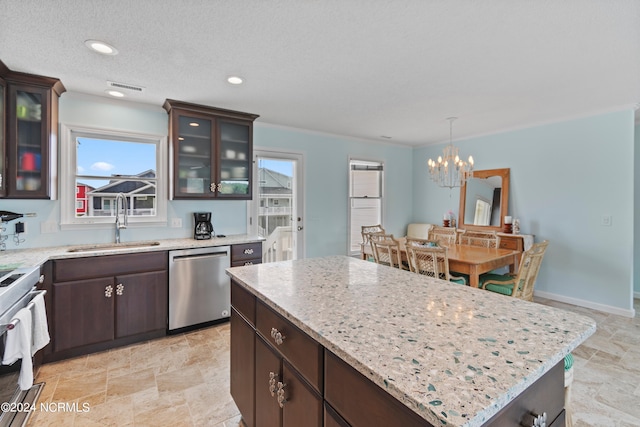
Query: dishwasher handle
[[199, 256]]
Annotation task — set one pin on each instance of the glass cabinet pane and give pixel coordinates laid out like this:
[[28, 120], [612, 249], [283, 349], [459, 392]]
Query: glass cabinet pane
[[3, 172], [195, 160], [29, 175], [235, 159]]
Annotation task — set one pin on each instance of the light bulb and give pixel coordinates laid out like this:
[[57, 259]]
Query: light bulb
[[471, 160], [439, 159]]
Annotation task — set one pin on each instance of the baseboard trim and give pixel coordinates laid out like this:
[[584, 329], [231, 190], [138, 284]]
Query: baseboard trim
[[587, 304]]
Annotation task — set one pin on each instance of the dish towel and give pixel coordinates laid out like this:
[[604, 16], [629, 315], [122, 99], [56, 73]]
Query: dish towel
[[40, 327], [18, 346]]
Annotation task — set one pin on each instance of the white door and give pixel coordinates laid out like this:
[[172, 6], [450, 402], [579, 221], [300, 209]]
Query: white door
[[276, 211]]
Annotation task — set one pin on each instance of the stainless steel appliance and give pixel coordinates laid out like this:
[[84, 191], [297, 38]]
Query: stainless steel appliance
[[199, 289], [17, 289], [203, 229]]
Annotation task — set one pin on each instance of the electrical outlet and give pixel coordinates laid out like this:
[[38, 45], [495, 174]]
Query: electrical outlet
[[176, 222], [606, 220]]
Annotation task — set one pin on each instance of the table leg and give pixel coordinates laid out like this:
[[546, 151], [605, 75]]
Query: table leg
[[474, 277]]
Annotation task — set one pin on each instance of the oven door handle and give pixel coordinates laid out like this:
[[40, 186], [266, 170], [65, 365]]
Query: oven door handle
[[17, 306]]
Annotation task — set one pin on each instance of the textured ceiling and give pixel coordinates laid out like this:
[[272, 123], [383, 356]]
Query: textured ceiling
[[359, 68]]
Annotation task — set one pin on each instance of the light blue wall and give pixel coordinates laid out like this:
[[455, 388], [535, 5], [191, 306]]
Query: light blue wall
[[326, 178], [326, 183], [564, 177], [636, 208]]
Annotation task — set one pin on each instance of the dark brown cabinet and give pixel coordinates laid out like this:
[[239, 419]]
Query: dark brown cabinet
[[211, 152], [287, 382], [102, 302], [28, 134], [298, 382]]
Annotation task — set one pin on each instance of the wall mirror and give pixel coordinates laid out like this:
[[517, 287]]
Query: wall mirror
[[484, 200]]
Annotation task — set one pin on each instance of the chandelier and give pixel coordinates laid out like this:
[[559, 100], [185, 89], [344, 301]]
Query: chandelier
[[450, 171]]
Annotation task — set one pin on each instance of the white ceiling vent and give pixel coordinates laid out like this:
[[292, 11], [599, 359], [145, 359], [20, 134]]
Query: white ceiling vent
[[126, 86]]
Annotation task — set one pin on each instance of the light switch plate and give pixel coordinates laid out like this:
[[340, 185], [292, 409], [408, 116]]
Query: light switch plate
[[606, 220], [176, 222]]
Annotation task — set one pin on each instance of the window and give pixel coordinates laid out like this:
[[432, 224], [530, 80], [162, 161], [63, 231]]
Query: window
[[97, 165], [365, 199]]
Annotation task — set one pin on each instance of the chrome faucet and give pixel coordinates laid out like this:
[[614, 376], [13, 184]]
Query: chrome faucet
[[121, 200]]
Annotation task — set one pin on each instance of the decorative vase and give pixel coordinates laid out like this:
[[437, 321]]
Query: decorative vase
[[446, 222]]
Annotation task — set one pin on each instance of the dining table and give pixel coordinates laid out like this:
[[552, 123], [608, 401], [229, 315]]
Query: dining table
[[466, 259]]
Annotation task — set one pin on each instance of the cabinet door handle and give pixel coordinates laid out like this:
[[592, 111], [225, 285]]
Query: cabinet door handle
[[108, 291], [280, 393], [277, 336], [41, 278], [538, 420], [248, 251], [272, 383], [119, 289], [219, 187], [212, 187]]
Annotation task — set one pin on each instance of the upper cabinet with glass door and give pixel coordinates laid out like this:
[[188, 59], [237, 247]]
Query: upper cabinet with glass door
[[31, 121], [211, 151]]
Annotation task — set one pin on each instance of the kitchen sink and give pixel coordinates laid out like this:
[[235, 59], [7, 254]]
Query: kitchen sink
[[113, 246]]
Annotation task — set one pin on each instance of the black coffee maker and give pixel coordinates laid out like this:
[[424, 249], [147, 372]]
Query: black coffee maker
[[203, 228]]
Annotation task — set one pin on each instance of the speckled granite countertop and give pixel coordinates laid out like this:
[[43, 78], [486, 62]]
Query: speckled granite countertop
[[453, 354], [37, 256]]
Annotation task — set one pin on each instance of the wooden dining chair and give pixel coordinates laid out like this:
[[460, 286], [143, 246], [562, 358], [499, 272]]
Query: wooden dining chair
[[485, 239], [518, 285], [432, 261], [386, 250], [444, 235], [366, 231]]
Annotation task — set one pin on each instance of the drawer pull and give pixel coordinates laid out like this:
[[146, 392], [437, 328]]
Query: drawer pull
[[277, 336], [272, 383], [248, 251], [539, 420], [280, 392], [108, 291], [248, 263]]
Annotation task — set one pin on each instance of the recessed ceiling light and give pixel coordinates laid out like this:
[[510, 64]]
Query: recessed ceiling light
[[194, 124], [115, 93], [234, 80], [101, 47]]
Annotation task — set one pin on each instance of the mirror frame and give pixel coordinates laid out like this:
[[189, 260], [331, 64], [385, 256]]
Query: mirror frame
[[504, 200]]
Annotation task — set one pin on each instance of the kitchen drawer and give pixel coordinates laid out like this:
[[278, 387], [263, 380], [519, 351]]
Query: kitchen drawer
[[510, 243], [545, 395], [65, 270], [246, 251], [360, 402], [243, 262], [298, 348], [244, 302]]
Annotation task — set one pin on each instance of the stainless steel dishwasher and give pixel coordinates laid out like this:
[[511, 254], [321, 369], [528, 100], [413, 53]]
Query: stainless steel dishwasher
[[199, 289]]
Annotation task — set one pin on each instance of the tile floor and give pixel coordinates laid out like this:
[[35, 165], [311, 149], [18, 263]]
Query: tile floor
[[183, 380]]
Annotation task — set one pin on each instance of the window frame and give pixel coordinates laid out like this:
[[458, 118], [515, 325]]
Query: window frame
[[350, 198], [68, 171]]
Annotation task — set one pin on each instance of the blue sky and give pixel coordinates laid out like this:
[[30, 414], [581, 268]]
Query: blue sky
[[283, 166], [104, 157]]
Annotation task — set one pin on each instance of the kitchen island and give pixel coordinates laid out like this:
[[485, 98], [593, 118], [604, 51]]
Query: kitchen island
[[441, 353]]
